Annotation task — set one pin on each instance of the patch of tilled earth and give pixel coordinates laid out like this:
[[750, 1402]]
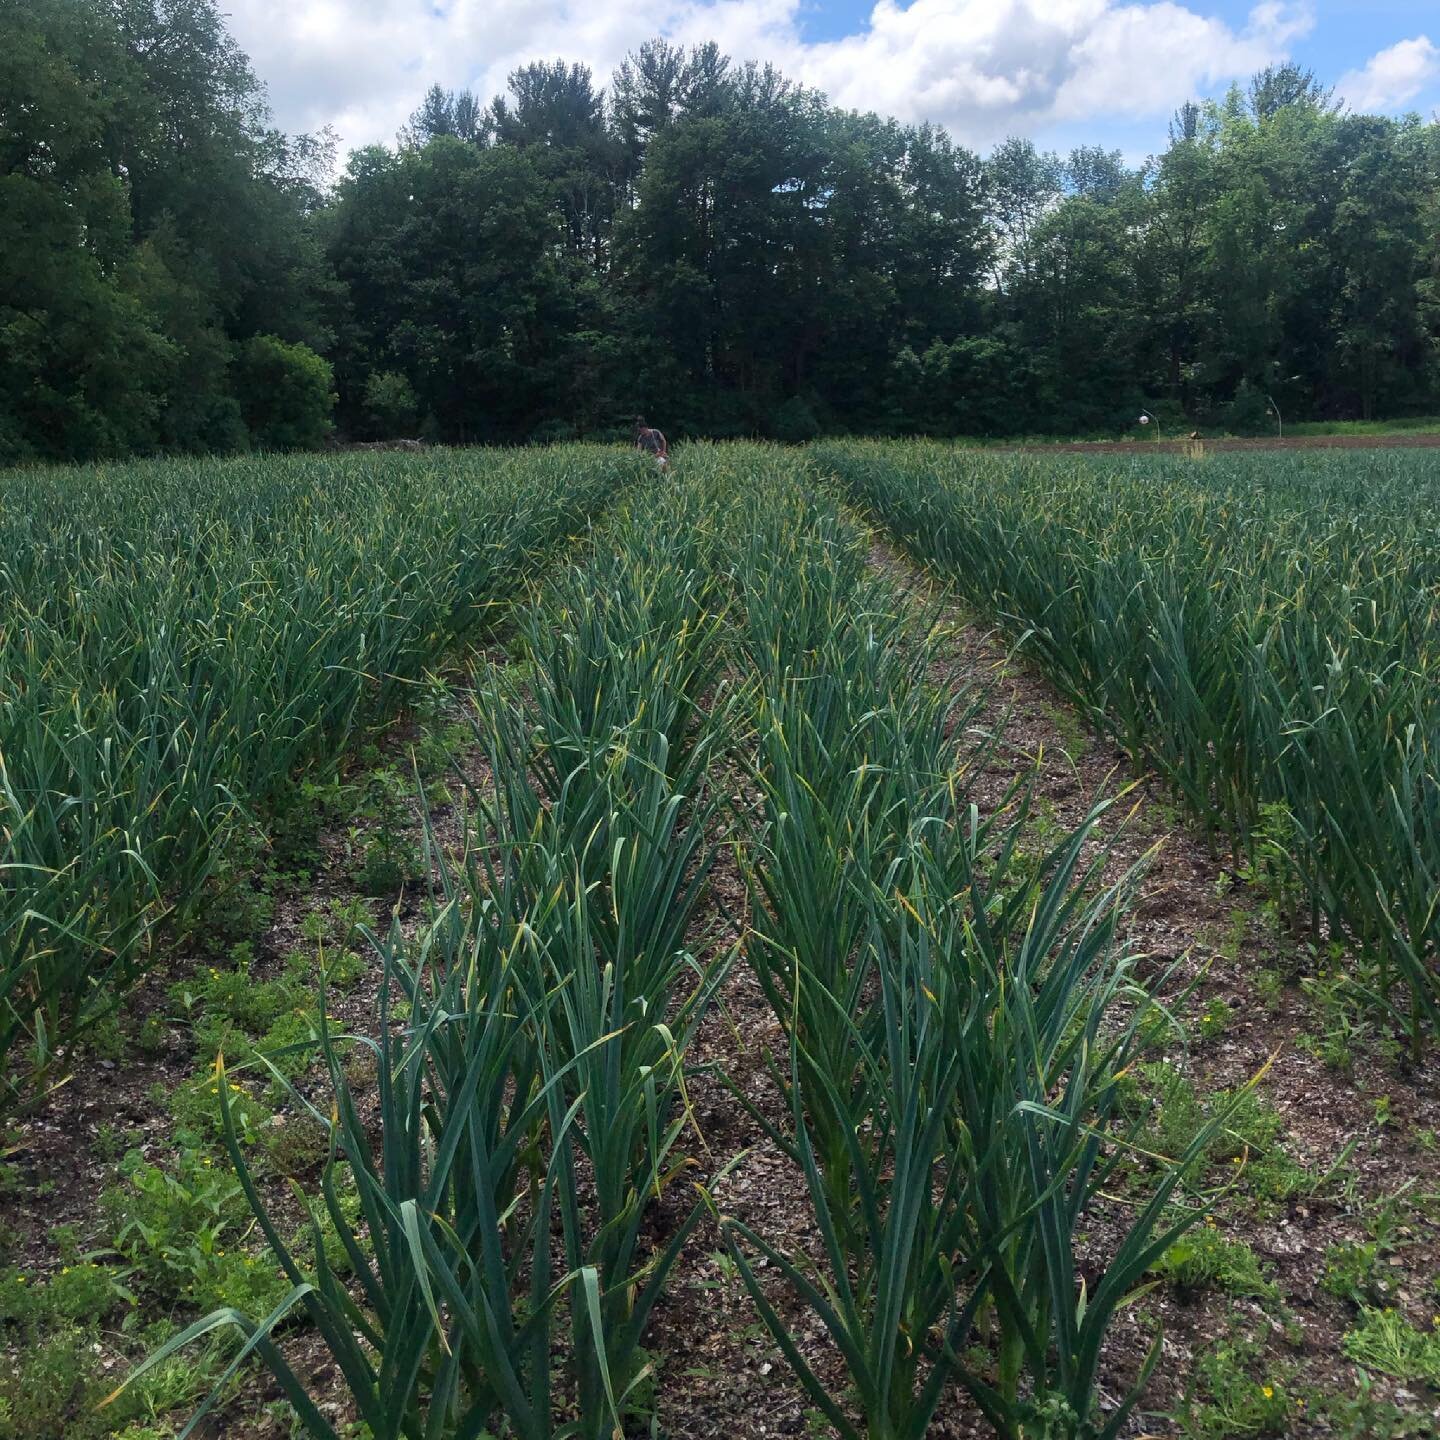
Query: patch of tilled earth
[[1400, 440]]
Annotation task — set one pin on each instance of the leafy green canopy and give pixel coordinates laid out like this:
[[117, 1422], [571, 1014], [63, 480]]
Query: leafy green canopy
[[149, 219], [704, 241]]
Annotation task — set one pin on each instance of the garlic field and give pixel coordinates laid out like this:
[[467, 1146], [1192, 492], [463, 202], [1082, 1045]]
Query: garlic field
[[876, 939]]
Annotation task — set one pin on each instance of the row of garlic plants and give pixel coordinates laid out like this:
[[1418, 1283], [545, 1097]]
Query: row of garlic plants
[[957, 1012], [1262, 631], [180, 640]]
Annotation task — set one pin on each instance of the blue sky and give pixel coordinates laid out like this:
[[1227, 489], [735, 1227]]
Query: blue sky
[[1344, 29], [1062, 72]]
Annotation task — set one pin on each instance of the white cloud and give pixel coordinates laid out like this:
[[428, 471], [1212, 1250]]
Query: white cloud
[[1393, 77], [983, 68]]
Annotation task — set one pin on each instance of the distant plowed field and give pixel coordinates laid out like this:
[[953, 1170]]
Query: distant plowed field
[[1419, 440]]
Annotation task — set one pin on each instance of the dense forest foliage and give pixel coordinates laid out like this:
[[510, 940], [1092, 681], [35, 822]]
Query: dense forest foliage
[[700, 239]]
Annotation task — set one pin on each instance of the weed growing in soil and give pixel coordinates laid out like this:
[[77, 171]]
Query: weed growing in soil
[[1204, 1259], [1224, 1399]]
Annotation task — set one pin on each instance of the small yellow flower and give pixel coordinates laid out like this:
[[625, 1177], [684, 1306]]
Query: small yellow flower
[[1267, 1391]]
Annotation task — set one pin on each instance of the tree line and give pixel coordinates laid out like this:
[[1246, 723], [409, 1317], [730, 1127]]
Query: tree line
[[702, 239]]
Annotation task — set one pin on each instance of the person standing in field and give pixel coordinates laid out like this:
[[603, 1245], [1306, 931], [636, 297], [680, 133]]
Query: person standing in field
[[651, 442]]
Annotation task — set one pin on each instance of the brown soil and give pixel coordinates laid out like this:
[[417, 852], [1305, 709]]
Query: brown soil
[[1401, 440]]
